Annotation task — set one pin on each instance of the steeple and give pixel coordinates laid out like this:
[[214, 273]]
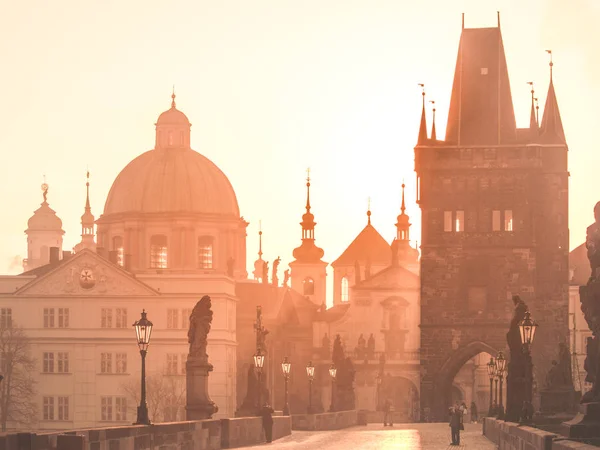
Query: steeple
[[551, 131], [369, 211], [533, 122], [422, 139], [172, 128], [259, 263], [401, 249], [403, 224], [308, 251], [433, 133], [87, 221]]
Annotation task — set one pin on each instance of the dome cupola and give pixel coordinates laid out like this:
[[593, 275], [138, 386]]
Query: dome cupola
[[172, 129]]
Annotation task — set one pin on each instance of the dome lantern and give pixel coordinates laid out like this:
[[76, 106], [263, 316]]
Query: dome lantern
[[172, 129]]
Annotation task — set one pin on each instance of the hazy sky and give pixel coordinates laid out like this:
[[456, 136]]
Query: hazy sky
[[271, 88]]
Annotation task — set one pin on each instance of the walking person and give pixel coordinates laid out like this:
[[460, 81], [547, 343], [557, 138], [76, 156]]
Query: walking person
[[267, 421], [387, 413], [455, 422], [474, 417]]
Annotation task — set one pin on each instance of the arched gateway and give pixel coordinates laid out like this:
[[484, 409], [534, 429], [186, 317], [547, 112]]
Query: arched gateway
[[494, 202]]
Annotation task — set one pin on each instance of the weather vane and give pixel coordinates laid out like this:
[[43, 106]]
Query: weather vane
[[45, 189]]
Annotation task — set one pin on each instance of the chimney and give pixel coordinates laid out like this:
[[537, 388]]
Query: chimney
[[113, 256], [54, 254]]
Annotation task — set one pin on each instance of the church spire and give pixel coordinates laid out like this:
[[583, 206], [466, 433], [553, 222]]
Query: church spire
[[551, 130], [369, 211], [533, 123], [173, 98], [259, 264], [87, 220], [422, 139], [433, 133], [403, 224], [308, 251]]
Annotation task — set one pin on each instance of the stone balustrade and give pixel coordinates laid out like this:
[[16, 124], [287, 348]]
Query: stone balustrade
[[325, 421], [512, 436], [194, 435]]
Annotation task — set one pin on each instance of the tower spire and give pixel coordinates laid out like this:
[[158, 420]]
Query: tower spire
[[551, 63], [308, 251], [260, 253], [433, 133], [533, 123], [308, 190], [403, 207], [422, 139], [87, 220], [551, 129], [173, 98], [369, 211]]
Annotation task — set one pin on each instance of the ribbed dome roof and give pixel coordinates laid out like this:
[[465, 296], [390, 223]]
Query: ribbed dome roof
[[172, 181], [172, 117], [44, 219]]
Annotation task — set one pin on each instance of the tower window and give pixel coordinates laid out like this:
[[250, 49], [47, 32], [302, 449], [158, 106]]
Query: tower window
[[459, 222], [205, 252], [496, 220], [447, 220], [502, 220], [118, 247], [508, 220], [158, 251], [308, 286], [454, 221], [345, 289]]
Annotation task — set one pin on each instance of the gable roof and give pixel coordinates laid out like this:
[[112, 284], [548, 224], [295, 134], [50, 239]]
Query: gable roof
[[369, 245], [394, 277], [64, 278]]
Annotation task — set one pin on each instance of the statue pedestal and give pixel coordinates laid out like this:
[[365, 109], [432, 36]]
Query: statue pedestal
[[585, 425], [557, 401], [198, 405]]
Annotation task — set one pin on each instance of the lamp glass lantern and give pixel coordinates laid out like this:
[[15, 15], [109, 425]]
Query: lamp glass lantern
[[501, 363], [143, 331], [527, 327], [332, 371], [491, 367], [286, 366], [259, 360], [310, 370]]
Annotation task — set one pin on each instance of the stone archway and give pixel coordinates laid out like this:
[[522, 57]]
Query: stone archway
[[442, 388], [404, 396]]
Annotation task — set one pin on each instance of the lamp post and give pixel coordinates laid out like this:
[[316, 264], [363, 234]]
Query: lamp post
[[332, 372], [143, 330], [379, 380], [285, 368], [491, 368], [527, 328], [501, 367], [310, 371], [259, 361]]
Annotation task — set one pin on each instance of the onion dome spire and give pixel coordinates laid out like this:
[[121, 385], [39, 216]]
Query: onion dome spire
[[422, 139], [401, 249], [308, 251], [87, 220]]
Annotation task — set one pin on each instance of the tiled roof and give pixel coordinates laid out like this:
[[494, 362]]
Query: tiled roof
[[369, 245]]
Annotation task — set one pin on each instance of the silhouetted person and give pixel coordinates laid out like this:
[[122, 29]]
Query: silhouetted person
[[455, 423], [267, 421], [387, 413], [474, 417]]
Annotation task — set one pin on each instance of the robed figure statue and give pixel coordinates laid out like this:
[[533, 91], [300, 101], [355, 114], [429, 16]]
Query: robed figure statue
[[517, 379]]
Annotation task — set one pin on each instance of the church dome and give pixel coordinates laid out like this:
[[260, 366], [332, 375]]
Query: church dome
[[172, 117], [172, 181], [44, 219]]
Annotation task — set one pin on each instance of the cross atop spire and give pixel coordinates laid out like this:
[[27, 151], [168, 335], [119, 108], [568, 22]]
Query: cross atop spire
[[369, 211], [403, 207], [173, 98], [260, 253], [308, 190], [551, 64], [533, 123], [433, 133], [422, 139]]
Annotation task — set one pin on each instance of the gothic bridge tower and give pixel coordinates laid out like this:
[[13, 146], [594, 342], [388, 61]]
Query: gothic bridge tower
[[494, 202]]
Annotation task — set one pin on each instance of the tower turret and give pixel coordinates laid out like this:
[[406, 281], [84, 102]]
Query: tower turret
[[259, 264], [87, 222]]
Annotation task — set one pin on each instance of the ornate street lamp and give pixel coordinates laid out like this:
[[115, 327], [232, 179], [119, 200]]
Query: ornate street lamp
[[259, 362], [310, 371], [143, 330], [286, 366], [501, 368], [491, 369], [333, 373], [527, 328]]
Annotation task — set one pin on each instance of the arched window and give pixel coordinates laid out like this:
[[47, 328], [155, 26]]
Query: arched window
[[205, 252], [309, 286], [158, 251], [117, 246], [182, 138], [170, 138], [345, 289]]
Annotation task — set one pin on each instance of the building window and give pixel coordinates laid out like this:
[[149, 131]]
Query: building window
[[48, 410], [172, 318], [48, 363], [106, 413], [508, 220], [345, 289], [62, 365], [309, 286], [158, 251], [185, 318], [106, 363], [205, 252], [171, 364], [121, 409], [183, 363], [121, 363], [5, 317], [496, 220], [121, 319], [48, 317], [63, 317], [459, 221], [118, 247], [106, 318], [63, 408], [447, 221]]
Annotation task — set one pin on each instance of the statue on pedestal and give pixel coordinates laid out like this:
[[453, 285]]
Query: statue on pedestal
[[274, 277], [198, 403]]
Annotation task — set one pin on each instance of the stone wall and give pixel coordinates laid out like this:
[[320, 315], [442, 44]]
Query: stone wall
[[195, 435], [512, 436], [325, 421]]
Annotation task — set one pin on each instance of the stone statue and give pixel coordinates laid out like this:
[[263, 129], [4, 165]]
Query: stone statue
[[274, 278], [553, 377], [199, 406], [230, 264], [518, 377], [362, 346], [592, 242], [326, 346], [337, 354], [286, 277], [371, 347], [200, 321], [261, 331], [265, 277]]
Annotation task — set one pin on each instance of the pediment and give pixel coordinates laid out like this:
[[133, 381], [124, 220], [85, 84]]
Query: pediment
[[86, 274]]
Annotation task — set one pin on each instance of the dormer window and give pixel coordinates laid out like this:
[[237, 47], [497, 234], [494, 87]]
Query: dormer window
[[158, 251], [205, 252], [308, 286], [345, 286]]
